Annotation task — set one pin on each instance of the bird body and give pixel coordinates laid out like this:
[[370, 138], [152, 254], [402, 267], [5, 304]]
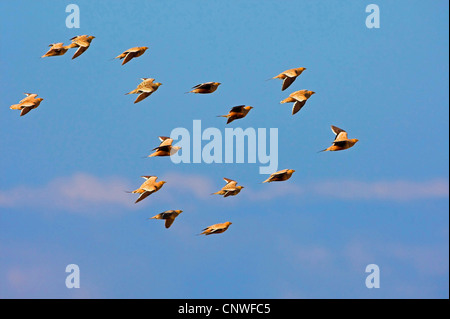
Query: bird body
[[145, 89], [230, 189], [27, 104], [205, 88], [82, 42], [56, 49], [165, 148], [341, 141], [148, 187], [169, 216], [131, 53], [299, 98], [289, 77], [280, 176], [237, 112], [215, 229]]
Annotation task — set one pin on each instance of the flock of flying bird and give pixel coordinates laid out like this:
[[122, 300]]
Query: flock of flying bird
[[165, 148]]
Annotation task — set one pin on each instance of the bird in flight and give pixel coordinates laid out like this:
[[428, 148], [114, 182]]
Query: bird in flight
[[169, 216], [289, 77], [82, 42], [205, 88], [165, 148], [341, 141], [299, 98], [145, 89], [27, 104], [280, 176], [237, 112], [131, 53], [56, 49], [230, 189], [215, 229], [148, 187]]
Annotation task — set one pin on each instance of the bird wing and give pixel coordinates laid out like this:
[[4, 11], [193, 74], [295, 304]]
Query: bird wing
[[143, 196], [80, 51], [81, 41], [299, 95], [340, 133], [169, 221], [25, 110], [164, 148], [205, 86], [298, 106], [280, 172], [228, 180], [167, 141], [237, 109], [142, 96], [129, 56], [290, 73], [30, 96], [288, 80], [230, 186]]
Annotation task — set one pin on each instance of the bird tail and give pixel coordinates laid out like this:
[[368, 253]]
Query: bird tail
[[222, 115], [287, 100], [323, 150], [132, 92], [70, 46]]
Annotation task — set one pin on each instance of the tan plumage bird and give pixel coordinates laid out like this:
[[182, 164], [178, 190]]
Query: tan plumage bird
[[216, 229], [237, 112], [82, 42], [230, 189], [205, 88], [280, 176], [27, 104], [56, 49], [131, 53], [145, 89], [289, 77], [165, 148], [299, 98], [169, 216], [148, 187], [341, 141]]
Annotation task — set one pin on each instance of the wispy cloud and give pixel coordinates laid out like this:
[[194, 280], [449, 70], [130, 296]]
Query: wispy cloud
[[397, 190], [82, 191], [75, 192]]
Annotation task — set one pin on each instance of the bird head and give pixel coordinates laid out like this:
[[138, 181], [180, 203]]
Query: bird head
[[91, 37], [217, 83], [144, 48], [179, 211], [311, 92], [240, 187], [290, 171]]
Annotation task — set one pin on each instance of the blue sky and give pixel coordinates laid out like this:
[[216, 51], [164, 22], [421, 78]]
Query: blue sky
[[66, 164]]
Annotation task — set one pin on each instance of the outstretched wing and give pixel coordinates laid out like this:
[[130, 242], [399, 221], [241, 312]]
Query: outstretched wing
[[340, 133], [298, 106], [288, 80], [237, 109]]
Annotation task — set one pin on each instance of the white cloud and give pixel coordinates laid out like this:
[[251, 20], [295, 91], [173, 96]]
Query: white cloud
[[81, 192]]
